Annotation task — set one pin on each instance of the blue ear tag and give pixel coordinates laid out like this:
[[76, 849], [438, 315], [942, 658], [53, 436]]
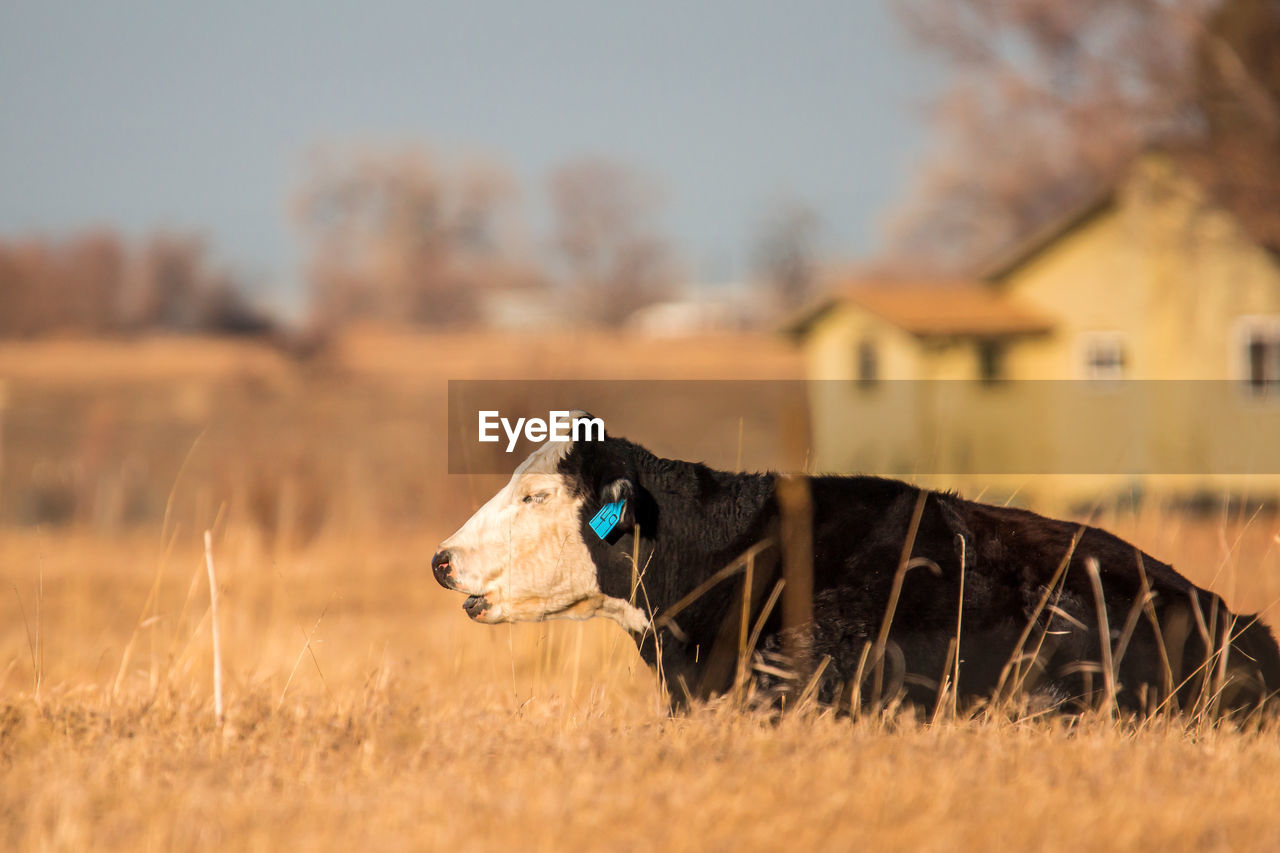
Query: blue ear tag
[[607, 518]]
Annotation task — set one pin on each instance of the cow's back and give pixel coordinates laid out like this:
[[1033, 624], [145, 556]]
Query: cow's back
[[1018, 569]]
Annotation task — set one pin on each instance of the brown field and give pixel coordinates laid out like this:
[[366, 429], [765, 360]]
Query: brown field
[[363, 709]]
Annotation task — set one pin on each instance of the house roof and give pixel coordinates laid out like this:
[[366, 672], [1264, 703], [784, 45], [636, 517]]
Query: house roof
[[931, 308], [1021, 251], [1242, 193], [978, 306]]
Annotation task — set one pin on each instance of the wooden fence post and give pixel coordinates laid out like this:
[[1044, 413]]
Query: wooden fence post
[[795, 508]]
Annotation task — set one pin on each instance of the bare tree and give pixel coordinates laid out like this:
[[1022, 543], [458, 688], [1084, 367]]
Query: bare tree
[[1048, 100], [606, 233], [166, 289], [1237, 97], [395, 236], [786, 252]]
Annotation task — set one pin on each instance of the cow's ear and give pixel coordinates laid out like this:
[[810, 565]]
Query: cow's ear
[[624, 491], [620, 489]]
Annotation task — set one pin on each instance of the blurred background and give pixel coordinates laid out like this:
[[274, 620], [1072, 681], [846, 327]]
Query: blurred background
[[443, 165], [246, 247]]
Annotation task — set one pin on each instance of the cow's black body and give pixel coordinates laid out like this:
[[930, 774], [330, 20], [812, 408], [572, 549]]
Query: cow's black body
[[692, 521]]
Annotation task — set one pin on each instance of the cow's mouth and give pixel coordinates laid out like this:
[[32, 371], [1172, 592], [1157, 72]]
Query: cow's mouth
[[475, 605]]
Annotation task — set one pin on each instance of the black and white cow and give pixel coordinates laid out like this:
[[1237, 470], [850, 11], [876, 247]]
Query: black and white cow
[[1030, 615]]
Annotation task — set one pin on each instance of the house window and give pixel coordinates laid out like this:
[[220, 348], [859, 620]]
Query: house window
[[990, 361], [868, 362], [1103, 355], [1261, 344]]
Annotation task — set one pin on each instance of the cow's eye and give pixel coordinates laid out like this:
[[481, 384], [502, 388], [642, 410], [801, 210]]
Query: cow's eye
[[535, 499]]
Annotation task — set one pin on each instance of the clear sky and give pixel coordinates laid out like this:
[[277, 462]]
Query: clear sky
[[146, 114]]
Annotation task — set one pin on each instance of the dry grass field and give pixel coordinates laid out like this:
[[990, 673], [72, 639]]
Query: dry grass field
[[364, 710]]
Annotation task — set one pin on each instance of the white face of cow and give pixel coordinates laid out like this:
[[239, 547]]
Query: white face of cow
[[521, 557]]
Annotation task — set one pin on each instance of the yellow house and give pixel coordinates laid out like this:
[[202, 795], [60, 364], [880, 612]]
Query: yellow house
[[960, 382]]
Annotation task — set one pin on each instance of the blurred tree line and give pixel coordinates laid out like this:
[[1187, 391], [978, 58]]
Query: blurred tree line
[[1048, 101], [98, 283], [391, 236], [402, 236]]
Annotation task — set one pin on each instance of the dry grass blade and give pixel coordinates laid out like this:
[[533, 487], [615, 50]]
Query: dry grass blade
[[306, 648], [1199, 670], [127, 655], [739, 563], [955, 675], [810, 693], [855, 687], [31, 642], [1140, 604], [944, 685], [769, 604], [1216, 674], [1104, 634], [166, 550], [905, 563], [1055, 610], [998, 695], [1210, 650], [637, 575], [1154, 621], [744, 624]]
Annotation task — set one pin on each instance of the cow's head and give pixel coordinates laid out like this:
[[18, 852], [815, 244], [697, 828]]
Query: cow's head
[[524, 556]]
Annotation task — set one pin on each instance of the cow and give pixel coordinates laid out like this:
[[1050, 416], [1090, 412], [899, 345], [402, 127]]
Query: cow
[[691, 562]]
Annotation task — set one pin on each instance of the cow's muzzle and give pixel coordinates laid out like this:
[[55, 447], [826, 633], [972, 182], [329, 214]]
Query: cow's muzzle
[[442, 568], [475, 606]]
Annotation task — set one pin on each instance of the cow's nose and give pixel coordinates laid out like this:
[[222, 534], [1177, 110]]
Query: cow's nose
[[442, 568]]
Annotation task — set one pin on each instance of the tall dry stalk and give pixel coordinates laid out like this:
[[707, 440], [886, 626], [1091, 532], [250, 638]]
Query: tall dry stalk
[[4, 402], [905, 563], [1104, 633], [955, 676], [213, 621]]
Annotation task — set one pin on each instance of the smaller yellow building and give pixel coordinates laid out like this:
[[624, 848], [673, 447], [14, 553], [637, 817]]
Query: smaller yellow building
[[966, 382]]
